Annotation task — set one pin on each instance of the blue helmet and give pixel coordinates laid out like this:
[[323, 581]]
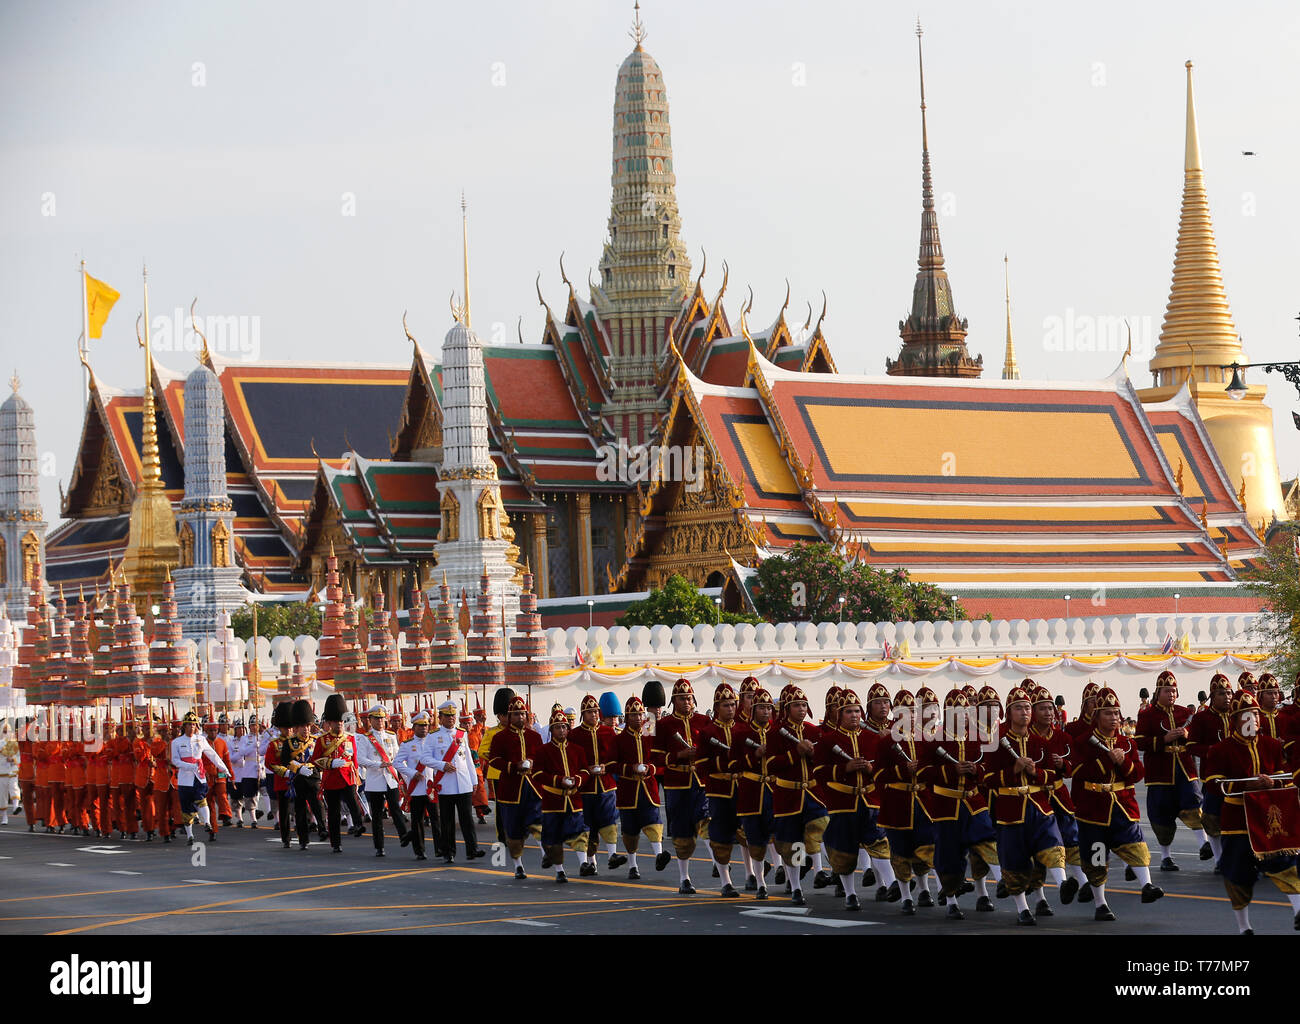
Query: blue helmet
[[610, 705]]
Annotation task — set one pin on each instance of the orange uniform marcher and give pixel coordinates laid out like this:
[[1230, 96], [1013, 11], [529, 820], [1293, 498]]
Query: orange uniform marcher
[[74, 784], [41, 780], [27, 781], [57, 774], [101, 798], [218, 799], [164, 789], [142, 752], [121, 778]]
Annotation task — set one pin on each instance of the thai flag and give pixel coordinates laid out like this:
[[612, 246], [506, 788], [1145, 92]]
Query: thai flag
[[1168, 648], [579, 658], [889, 652]]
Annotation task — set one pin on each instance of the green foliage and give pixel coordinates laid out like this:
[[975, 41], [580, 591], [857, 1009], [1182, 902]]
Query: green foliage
[[805, 583], [1277, 581], [297, 619], [679, 603]]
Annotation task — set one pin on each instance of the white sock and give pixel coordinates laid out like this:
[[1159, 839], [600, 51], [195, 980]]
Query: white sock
[[1099, 894], [1022, 903], [631, 857], [773, 857], [884, 871], [517, 862], [1295, 901], [1056, 875], [1164, 852], [684, 870], [1077, 874], [656, 849], [724, 873], [925, 882], [1243, 918], [817, 863], [609, 848], [850, 884], [864, 859], [1144, 875], [981, 887], [1216, 845], [1199, 833], [205, 817], [952, 900], [792, 875], [189, 831], [749, 867], [589, 858], [995, 873]]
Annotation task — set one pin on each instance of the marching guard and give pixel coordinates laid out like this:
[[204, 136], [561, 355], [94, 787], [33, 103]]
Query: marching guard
[[1019, 780], [677, 740], [296, 777], [514, 754], [599, 800], [335, 756], [188, 752], [1249, 760], [1206, 728], [561, 772], [376, 751], [1058, 746], [722, 772], [1104, 768], [638, 768], [1173, 786], [455, 781], [800, 816], [754, 789], [902, 814], [415, 760]]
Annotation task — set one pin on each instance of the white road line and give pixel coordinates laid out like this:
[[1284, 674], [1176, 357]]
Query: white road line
[[529, 921], [200, 881], [124, 872], [56, 864]]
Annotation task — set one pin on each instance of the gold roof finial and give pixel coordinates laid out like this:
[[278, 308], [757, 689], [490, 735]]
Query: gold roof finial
[[1204, 521], [14, 382], [464, 241], [1178, 477], [151, 468], [638, 32], [1241, 493], [204, 356], [925, 144], [1010, 371]]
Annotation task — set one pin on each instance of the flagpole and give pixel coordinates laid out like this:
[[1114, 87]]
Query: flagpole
[[83, 344]]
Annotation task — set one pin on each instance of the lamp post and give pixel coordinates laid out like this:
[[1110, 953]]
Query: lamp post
[[1237, 387], [1175, 606], [1067, 607], [590, 612], [717, 604], [954, 609], [841, 602]]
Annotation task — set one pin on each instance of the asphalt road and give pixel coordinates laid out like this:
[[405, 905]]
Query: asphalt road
[[247, 882]]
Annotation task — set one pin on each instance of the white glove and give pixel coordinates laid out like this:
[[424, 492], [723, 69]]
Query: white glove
[[640, 769], [305, 770], [338, 762]]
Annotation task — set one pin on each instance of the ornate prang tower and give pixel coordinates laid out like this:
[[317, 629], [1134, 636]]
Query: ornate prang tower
[[207, 583], [22, 523], [1010, 369], [151, 548], [1198, 338], [934, 336], [474, 537], [644, 270]]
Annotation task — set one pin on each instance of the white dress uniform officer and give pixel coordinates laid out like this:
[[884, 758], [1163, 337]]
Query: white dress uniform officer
[[456, 784]]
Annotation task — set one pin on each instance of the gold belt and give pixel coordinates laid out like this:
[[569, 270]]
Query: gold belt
[[755, 777], [907, 787], [1234, 800], [1107, 787], [956, 794], [787, 784], [1017, 790], [840, 787]]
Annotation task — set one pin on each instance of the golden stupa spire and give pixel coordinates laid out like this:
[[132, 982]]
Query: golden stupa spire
[[1010, 371], [1197, 314], [151, 471]]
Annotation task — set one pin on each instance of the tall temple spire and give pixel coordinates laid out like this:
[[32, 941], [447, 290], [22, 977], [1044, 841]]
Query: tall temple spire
[[1010, 371], [464, 242], [934, 337], [22, 522], [645, 273], [152, 546], [1198, 338]]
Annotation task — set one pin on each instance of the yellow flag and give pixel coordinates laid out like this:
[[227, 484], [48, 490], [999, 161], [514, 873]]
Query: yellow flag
[[99, 300]]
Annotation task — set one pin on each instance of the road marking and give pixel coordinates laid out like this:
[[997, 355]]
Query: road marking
[[56, 864], [500, 920], [803, 914], [529, 921], [124, 872], [99, 849], [200, 881]]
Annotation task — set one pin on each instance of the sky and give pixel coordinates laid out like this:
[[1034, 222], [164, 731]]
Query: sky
[[301, 165]]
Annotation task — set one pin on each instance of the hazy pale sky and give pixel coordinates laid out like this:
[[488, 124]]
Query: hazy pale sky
[[220, 144]]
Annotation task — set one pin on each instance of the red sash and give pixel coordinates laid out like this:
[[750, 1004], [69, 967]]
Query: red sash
[[383, 756], [406, 796]]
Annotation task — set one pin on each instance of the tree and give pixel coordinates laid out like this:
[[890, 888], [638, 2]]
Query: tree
[[1277, 581], [679, 603], [296, 619], [806, 582]]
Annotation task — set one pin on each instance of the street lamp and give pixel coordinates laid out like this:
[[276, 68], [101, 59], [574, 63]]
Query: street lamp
[[843, 598], [1237, 387], [590, 606], [954, 609], [1175, 606], [1067, 607]]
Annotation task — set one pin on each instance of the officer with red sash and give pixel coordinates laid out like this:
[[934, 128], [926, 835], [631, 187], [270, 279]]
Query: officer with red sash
[[561, 771], [599, 801], [638, 768], [678, 741], [800, 816], [1020, 780], [1104, 768], [514, 754], [335, 755], [1246, 761], [1206, 728], [1173, 787], [950, 774]]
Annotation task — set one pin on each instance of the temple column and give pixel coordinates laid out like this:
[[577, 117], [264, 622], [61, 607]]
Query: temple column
[[541, 556], [586, 575]]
